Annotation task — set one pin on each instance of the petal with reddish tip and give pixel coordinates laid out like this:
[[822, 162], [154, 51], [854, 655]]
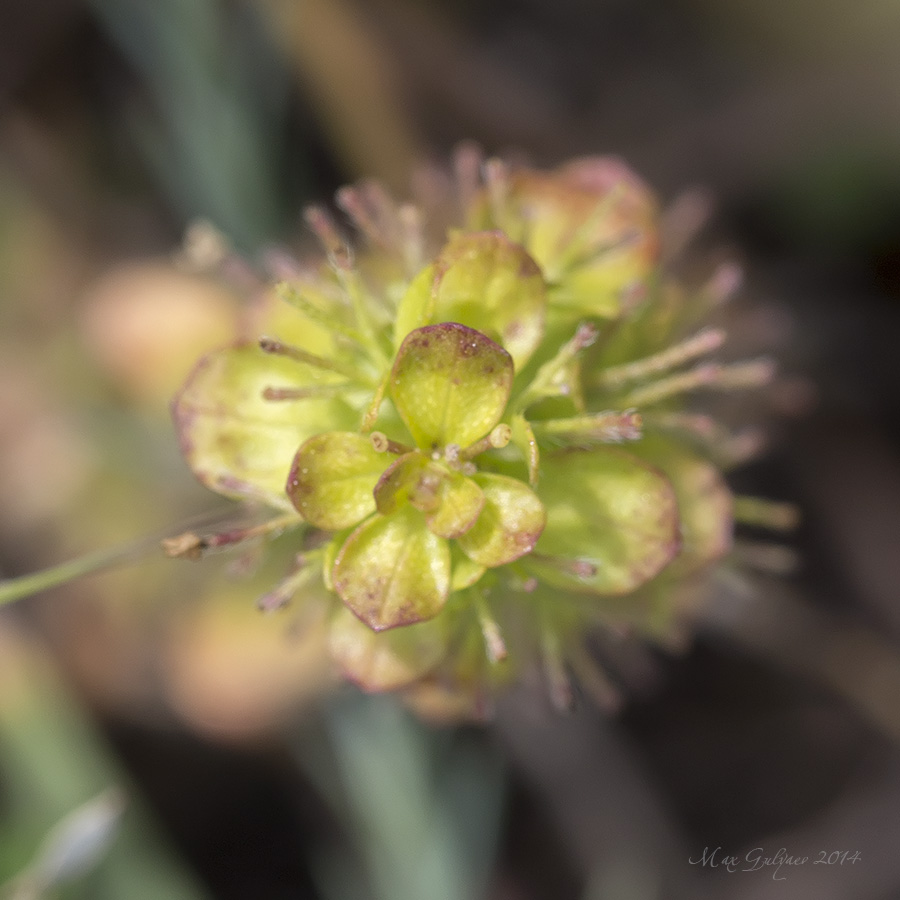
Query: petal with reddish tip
[[485, 281], [450, 384], [332, 479], [237, 442], [393, 571], [509, 525], [611, 514], [460, 503], [411, 478], [705, 503], [387, 660]]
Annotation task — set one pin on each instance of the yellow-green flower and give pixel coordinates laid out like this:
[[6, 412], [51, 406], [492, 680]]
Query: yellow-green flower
[[483, 443], [450, 385]]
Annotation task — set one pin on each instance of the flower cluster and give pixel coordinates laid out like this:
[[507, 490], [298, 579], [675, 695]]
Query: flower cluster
[[477, 426]]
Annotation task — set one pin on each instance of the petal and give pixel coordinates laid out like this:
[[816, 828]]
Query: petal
[[332, 479], [451, 502], [460, 503], [510, 524], [237, 442], [417, 305], [705, 503], [466, 572], [411, 478], [486, 281], [450, 384], [591, 227], [387, 660], [613, 514], [393, 571]]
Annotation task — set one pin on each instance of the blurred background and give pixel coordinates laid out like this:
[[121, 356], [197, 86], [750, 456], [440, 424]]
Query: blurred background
[[212, 754]]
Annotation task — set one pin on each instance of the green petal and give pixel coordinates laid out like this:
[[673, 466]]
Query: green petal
[[450, 384], [591, 227], [411, 478], [510, 524], [705, 503], [239, 443], [487, 282], [387, 660], [459, 506], [466, 572], [332, 479], [417, 306], [451, 502], [613, 514], [393, 571]]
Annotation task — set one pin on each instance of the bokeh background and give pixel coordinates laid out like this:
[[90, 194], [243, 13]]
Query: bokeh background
[[246, 775]]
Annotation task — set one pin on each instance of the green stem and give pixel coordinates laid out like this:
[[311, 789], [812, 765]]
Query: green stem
[[13, 589]]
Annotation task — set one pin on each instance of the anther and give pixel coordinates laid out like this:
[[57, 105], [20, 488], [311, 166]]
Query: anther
[[383, 444]]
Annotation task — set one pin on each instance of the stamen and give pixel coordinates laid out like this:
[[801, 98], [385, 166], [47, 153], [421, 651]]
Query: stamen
[[293, 294], [494, 644], [593, 678], [281, 265], [750, 374], [308, 393], [604, 427], [580, 568], [727, 448], [385, 211], [724, 377], [766, 513], [559, 685], [581, 249], [681, 222], [740, 448], [496, 440], [361, 303], [524, 439], [696, 425], [337, 249], [383, 444], [351, 200], [703, 342], [763, 556], [451, 453], [674, 385], [284, 591], [500, 436], [496, 177], [546, 382], [579, 256], [190, 545], [467, 163], [724, 284], [371, 414], [412, 237], [276, 347]]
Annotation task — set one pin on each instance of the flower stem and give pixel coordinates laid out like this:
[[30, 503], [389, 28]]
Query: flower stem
[[13, 589]]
